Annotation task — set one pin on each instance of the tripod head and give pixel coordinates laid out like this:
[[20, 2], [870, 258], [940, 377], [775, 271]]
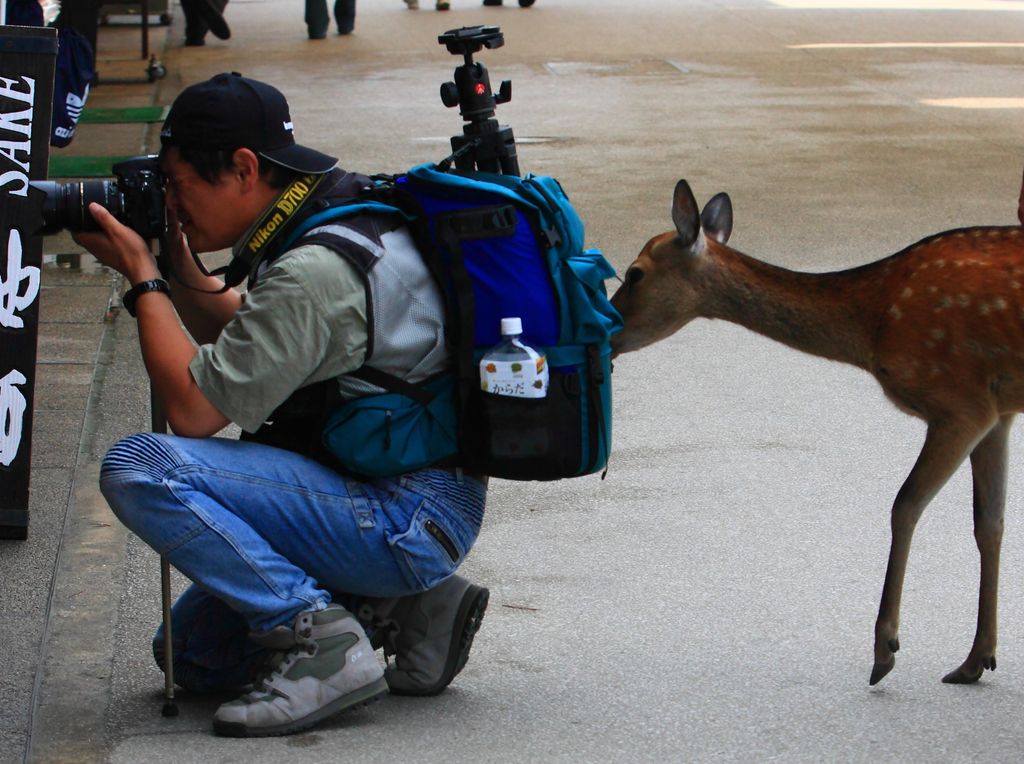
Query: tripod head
[[484, 144]]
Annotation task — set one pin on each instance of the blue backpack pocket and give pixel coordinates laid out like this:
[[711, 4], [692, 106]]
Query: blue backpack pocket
[[392, 433]]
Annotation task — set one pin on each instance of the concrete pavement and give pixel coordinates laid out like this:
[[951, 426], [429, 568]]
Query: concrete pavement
[[713, 598]]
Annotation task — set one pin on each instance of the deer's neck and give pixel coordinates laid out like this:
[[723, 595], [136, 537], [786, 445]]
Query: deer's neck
[[819, 313]]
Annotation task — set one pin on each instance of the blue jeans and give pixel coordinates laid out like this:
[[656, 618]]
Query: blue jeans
[[265, 534]]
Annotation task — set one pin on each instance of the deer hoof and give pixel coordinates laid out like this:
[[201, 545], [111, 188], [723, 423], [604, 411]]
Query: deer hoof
[[962, 676], [966, 675], [881, 669]]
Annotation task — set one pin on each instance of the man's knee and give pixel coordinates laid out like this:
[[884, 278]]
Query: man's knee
[[134, 464], [145, 455]]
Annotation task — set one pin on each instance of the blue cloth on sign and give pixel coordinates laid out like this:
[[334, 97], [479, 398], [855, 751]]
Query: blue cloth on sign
[[24, 13], [72, 79]]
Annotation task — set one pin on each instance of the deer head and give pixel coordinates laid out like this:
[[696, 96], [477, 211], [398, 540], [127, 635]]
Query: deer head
[[658, 296]]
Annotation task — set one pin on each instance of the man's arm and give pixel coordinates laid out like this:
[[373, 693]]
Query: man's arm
[[201, 301], [166, 348], [167, 352]]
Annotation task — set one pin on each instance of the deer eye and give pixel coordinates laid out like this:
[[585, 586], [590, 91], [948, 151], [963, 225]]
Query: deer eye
[[633, 276]]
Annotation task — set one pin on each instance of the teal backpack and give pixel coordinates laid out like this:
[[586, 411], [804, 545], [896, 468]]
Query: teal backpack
[[498, 246]]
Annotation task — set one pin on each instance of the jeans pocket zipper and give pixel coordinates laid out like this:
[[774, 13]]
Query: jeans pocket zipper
[[443, 539]]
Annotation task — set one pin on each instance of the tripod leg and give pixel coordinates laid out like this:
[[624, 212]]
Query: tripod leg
[[170, 706]]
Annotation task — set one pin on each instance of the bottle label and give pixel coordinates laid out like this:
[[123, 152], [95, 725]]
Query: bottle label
[[526, 378]]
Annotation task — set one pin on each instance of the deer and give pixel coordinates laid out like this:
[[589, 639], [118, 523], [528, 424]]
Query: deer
[[939, 324]]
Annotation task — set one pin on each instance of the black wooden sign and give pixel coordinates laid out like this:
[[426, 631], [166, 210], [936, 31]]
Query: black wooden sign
[[27, 59]]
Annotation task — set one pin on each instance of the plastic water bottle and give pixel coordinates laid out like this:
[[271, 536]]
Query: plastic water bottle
[[513, 369]]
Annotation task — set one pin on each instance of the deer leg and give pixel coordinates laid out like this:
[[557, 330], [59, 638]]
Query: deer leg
[[1020, 204], [945, 447], [989, 468]]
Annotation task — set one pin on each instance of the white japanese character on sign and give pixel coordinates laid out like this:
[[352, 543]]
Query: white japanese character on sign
[[13, 295], [12, 410]]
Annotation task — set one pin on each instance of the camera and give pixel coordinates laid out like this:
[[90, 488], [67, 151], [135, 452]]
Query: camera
[[135, 197], [484, 144]]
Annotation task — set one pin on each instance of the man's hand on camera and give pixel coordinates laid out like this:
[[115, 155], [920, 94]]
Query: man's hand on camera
[[183, 264], [119, 247]]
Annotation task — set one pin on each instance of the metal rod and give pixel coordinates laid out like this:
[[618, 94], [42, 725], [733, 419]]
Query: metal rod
[[170, 706], [159, 424], [145, 30]]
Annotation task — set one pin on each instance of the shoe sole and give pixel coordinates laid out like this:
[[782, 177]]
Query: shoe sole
[[467, 624], [364, 696]]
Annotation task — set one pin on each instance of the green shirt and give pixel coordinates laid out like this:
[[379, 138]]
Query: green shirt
[[303, 322]]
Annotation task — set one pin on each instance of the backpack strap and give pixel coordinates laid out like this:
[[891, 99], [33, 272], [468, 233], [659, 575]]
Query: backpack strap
[[391, 383], [451, 229], [480, 223], [332, 211], [595, 371]]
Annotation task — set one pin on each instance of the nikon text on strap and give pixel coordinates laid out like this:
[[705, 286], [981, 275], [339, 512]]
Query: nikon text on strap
[[261, 240]]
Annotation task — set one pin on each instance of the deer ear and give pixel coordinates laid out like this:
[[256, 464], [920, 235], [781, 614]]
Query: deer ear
[[716, 219], [684, 214]]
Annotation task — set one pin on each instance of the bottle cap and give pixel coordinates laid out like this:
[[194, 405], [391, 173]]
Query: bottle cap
[[511, 326]]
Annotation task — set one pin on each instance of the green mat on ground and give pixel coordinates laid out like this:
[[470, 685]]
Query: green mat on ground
[[82, 167], [122, 115]]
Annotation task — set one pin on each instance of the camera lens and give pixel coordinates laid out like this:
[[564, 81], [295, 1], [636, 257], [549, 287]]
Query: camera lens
[[67, 204]]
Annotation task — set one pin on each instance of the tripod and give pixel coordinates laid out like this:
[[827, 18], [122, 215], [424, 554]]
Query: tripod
[[484, 144]]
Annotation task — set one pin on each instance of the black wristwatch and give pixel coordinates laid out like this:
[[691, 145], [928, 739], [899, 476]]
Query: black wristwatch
[[153, 285]]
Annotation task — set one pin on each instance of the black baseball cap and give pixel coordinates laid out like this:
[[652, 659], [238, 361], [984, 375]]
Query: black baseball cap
[[228, 111]]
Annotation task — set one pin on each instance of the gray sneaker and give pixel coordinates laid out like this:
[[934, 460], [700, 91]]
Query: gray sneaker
[[322, 664], [429, 634]]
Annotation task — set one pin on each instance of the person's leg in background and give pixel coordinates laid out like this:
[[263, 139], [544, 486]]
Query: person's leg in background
[[195, 27], [317, 19], [198, 17], [345, 15]]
